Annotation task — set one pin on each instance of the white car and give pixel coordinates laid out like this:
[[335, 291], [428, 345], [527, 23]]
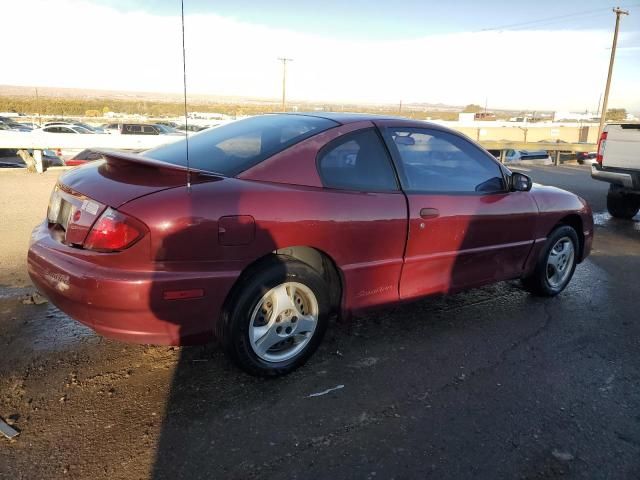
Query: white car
[[528, 156], [68, 128]]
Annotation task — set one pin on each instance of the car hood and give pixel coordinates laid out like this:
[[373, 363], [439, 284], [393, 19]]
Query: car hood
[[554, 199]]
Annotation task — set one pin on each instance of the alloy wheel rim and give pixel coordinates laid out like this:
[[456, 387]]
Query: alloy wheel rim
[[560, 262], [283, 322]]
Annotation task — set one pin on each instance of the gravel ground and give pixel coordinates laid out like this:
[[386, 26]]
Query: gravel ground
[[492, 383], [23, 202]]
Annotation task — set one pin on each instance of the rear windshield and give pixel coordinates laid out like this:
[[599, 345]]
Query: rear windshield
[[237, 146]]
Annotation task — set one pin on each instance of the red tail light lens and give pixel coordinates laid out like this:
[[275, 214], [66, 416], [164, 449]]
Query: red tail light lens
[[113, 232], [602, 142]]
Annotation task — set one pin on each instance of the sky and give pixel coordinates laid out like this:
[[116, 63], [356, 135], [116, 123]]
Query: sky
[[550, 55]]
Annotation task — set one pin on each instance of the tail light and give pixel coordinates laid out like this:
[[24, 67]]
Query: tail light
[[54, 206], [112, 232], [602, 142]]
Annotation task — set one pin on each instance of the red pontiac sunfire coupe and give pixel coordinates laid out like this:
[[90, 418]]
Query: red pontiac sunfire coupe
[[287, 219]]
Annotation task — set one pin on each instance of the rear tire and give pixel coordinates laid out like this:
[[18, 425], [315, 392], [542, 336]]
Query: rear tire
[[556, 264], [276, 319], [620, 205]]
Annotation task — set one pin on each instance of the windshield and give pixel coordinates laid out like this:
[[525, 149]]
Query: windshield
[[237, 146], [164, 128]]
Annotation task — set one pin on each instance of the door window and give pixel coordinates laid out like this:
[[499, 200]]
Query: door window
[[437, 161], [149, 130], [358, 161]]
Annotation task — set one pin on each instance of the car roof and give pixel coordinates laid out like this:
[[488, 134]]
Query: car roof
[[350, 117]]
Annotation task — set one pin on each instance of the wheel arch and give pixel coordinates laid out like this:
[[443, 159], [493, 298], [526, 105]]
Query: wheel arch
[[574, 221], [317, 259]]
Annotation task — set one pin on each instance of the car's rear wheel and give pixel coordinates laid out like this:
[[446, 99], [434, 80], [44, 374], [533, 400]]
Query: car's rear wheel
[[620, 205], [556, 264], [276, 319]]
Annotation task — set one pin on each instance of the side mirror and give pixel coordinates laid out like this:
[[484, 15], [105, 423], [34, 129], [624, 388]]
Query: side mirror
[[520, 182]]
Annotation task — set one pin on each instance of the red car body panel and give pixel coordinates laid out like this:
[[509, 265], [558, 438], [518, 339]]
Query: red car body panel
[[474, 240], [200, 239]]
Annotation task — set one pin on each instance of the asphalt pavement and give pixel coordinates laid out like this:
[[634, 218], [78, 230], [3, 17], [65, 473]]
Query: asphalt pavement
[[491, 383]]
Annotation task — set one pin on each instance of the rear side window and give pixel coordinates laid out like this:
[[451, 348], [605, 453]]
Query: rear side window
[[237, 146], [358, 161]]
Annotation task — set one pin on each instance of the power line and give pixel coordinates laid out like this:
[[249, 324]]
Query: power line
[[531, 22], [553, 19]]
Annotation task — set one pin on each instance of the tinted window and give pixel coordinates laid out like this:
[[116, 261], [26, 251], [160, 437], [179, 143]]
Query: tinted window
[[357, 161], [236, 146], [132, 129], [149, 130], [435, 161]]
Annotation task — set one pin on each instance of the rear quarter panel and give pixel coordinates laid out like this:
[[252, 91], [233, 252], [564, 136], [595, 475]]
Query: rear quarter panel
[[363, 233]]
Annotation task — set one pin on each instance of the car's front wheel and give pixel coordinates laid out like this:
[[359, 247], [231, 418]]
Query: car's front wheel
[[556, 264], [276, 318]]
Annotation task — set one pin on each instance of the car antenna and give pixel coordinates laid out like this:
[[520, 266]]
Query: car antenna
[[184, 77]]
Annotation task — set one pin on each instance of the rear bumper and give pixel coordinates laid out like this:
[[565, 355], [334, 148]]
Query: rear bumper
[[616, 177], [128, 305]]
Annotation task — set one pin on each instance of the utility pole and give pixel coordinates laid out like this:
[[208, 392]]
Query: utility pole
[[400, 107], [38, 108], [603, 114], [284, 81]]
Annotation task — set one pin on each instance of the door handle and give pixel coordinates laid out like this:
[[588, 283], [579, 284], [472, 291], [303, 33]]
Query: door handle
[[429, 213]]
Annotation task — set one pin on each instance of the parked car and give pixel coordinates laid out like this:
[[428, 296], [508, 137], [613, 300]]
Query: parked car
[[167, 124], [165, 130], [540, 156], [191, 128], [66, 129], [86, 155], [7, 124], [111, 127], [281, 220], [9, 158], [77, 124], [618, 162], [134, 129], [586, 158]]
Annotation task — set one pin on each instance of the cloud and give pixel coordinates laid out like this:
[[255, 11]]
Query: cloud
[[75, 43]]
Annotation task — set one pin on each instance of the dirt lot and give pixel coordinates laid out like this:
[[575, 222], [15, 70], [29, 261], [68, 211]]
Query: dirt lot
[[492, 383], [23, 202]]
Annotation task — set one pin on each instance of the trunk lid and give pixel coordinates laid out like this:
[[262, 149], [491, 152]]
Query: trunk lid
[[84, 193], [122, 177]]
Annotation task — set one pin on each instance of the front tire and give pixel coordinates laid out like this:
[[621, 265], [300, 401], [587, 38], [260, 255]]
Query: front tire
[[620, 205], [556, 264], [276, 319]]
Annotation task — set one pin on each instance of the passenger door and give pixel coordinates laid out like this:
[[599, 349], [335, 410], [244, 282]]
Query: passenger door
[[366, 216], [465, 228]]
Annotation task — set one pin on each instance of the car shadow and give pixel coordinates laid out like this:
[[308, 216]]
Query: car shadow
[[206, 387]]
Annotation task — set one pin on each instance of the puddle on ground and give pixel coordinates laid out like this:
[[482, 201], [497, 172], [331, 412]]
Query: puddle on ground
[[40, 328]]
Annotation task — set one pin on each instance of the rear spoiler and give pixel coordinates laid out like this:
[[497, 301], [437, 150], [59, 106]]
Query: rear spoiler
[[118, 157]]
